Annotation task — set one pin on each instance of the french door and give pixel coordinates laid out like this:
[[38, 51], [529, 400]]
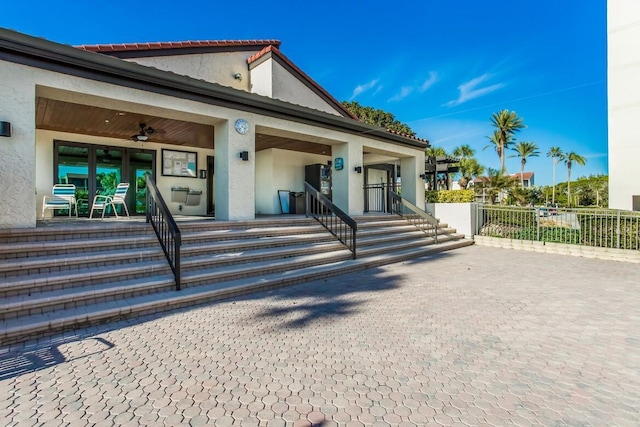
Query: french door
[[98, 169]]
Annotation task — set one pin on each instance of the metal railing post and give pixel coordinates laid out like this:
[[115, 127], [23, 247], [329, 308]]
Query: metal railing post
[[618, 231]]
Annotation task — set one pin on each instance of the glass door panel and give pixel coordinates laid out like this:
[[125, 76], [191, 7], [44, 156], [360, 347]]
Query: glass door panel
[[73, 168], [140, 162], [108, 172]]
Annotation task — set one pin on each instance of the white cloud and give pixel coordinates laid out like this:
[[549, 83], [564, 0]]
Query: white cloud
[[433, 77], [408, 90], [404, 92], [363, 88], [470, 90]]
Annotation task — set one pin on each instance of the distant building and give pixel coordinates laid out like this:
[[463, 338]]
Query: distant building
[[528, 179], [623, 92]]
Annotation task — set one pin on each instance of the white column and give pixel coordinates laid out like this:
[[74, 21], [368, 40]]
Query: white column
[[412, 184], [348, 192], [235, 178], [17, 152]]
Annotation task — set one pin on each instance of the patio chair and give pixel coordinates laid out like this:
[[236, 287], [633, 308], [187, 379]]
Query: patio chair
[[101, 202], [63, 196]]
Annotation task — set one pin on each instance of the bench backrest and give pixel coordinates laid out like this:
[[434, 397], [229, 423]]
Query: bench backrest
[[65, 192], [121, 192]]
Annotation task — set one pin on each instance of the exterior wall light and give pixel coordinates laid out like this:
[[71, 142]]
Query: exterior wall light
[[244, 155], [5, 129], [358, 169], [423, 176]]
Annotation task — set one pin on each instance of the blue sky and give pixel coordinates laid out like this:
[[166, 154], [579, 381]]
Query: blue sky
[[443, 67]]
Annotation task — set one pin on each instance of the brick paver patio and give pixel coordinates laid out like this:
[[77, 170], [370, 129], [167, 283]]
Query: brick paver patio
[[475, 336]]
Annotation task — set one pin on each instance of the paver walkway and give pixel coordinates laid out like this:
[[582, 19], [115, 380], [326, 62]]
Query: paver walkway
[[475, 336]]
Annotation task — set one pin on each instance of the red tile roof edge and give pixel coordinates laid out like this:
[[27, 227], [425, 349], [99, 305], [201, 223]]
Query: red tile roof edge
[[174, 45], [274, 50], [526, 175], [277, 52]]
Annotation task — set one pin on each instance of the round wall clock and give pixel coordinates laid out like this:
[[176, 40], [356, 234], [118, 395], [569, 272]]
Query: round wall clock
[[242, 126]]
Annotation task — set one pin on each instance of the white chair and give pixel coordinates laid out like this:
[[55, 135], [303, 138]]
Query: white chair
[[119, 198], [63, 196]]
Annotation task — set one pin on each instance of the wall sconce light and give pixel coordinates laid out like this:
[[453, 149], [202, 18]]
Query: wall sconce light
[[237, 76], [244, 155], [203, 174], [5, 129], [423, 176], [358, 169]]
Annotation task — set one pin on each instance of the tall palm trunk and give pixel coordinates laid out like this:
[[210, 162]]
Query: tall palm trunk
[[569, 184], [553, 192]]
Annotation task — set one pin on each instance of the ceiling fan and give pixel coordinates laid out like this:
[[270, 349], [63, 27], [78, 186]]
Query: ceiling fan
[[145, 132]]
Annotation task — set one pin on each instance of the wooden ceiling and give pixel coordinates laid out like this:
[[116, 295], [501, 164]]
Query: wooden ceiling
[[69, 117], [89, 120], [264, 142]]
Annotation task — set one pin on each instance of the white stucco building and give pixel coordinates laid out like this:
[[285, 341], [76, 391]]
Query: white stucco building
[[236, 120], [623, 87]]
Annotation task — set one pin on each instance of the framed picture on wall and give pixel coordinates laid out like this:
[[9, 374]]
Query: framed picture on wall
[[179, 163]]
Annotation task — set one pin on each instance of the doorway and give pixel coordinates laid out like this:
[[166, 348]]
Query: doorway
[[211, 205], [98, 169]]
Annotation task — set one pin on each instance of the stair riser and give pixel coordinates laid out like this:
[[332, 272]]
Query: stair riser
[[194, 228], [80, 280], [222, 262], [75, 265], [41, 236], [217, 278], [213, 238], [89, 246], [34, 309], [248, 245]]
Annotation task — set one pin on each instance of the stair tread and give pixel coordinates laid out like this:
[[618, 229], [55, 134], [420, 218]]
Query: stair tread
[[39, 279], [251, 253], [88, 291], [44, 245], [261, 265], [297, 239], [62, 259], [250, 231], [111, 309]]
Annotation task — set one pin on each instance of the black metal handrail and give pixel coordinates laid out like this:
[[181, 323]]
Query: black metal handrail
[[331, 217], [165, 227], [416, 216]]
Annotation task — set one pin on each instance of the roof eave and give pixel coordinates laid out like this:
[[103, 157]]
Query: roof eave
[[13, 43]]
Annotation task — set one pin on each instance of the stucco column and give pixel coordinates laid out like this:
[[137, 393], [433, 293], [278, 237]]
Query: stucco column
[[18, 152], [348, 192], [412, 184], [235, 178]]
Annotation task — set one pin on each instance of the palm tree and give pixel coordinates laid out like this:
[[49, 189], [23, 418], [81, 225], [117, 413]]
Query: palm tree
[[496, 183], [525, 149], [497, 145], [464, 151], [435, 151], [569, 159], [469, 169], [507, 123], [557, 156]]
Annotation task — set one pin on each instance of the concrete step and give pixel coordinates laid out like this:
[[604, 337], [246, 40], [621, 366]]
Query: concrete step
[[45, 248], [207, 259], [83, 229], [209, 236], [29, 284], [64, 262], [20, 329]]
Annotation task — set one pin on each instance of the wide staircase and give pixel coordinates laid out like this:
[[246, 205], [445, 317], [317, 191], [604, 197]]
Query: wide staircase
[[60, 277]]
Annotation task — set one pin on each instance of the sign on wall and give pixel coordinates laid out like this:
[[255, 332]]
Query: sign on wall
[[179, 163]]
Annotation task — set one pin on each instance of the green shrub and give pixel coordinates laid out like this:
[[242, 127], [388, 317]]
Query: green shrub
[[549, 234], [450, 196]]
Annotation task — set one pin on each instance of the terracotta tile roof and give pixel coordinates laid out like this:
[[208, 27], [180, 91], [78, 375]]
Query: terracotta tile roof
[[526, 175], [105, 48]]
